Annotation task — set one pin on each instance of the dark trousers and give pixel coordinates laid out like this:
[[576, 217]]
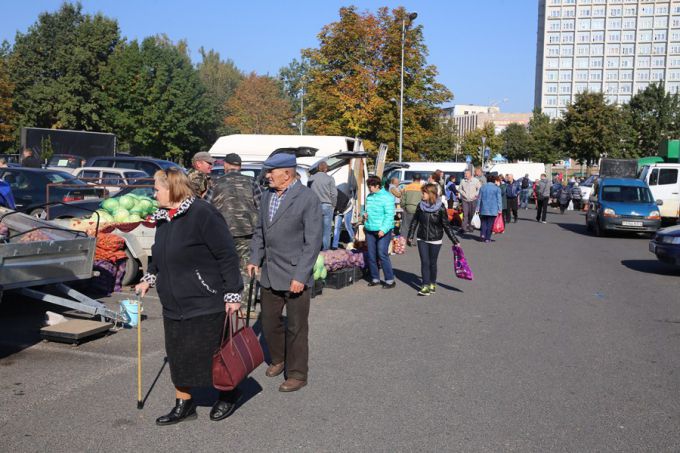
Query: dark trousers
[[487, 226], [542, 208], [512, 208], [289, 342], [469, 208], [428, 261]]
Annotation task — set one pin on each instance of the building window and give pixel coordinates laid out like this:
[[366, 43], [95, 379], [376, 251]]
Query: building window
[[569, 12], [553, 51], [597, 36], [613, 49], [553, 38], [627, 49], [596, 62], [580, 87], [584, 24], [627, 62], [661, 22], [675, 35], [564, 101], [611, 88], [554, 25], [581, 75], [643, 75], [597, 50], [551, 100], [643, 62], [583, 50], [555, 2], [644, 49], [598, 12], [674, 62], [613, 24], [596, 75], [568, 24], [567, 51], [555, 12], [646, 22], [647, 10], [628, 36], [615, 11], [594, 87], [567, 37], [565, 88], [626, 75], [629, 11], [625, 88], [598, 24], [674, 74], [612, 75], [613, 62], [660, 35], [611, 99], [581, 63], [629, 24], [551, 76], [675, 22], [645, 35], [552, 63], [675, 48], [659, 49], [658, 62], [551, 88], [583, 37], [565, 76], [584, 12], [614, 36], [566, 63], [657, 75], [662, 9]]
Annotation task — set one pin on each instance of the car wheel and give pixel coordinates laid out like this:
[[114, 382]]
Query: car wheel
[[599, 231], [589, 226], [40, 213], [131, 269]]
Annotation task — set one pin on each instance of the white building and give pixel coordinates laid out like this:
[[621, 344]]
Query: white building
[[467, 117], [613, 46]]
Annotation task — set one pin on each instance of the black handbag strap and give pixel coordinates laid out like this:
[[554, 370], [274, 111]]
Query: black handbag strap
[[251, 285]]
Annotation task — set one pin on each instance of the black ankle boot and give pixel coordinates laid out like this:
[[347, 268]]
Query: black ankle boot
[[224, 406], [183, 410]]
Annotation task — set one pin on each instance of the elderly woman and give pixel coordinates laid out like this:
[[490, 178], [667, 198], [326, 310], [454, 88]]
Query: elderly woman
[[429, 224], [489, 205], [379, 222], [196, 271]]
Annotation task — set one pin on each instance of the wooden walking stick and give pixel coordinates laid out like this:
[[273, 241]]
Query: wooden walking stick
[[140, 402]]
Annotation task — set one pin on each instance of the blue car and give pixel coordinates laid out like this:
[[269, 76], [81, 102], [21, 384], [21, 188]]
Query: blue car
[[621, 204], [666, 245]]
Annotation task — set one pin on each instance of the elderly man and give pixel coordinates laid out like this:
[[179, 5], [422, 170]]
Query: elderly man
[[324, 188], [512, 191], [237, 197], [286, 243], [199, 175], [29, 160], [469, 191]]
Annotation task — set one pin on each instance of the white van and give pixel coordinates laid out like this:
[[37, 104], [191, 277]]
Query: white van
[[425, 169], [663, 181], [519, 169], [345, 156]]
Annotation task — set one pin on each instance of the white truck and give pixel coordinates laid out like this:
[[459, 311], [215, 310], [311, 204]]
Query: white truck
[[519, 169], [662, 179]]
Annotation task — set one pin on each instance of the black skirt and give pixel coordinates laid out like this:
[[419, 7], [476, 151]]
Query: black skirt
[[189, 345]]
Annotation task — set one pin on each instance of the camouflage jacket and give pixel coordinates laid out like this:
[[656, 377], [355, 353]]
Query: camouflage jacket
[[237, 197], [200, 183]]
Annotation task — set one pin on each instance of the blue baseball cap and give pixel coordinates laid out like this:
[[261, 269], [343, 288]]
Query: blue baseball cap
[[282, 160]]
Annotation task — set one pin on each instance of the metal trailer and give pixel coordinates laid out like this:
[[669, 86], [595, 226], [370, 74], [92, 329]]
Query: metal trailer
[[66, 255]]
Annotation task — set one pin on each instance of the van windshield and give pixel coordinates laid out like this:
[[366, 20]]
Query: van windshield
[[626, 194]]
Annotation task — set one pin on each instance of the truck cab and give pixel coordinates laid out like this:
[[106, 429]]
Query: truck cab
[[662, 179], [622, 204]]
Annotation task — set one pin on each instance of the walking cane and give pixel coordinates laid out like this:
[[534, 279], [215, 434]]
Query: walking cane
[[140, 402], [250, 298]]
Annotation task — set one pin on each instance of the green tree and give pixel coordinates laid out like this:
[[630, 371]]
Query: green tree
[[156, 100], [472, 142], [6, 111], [354, 81], [56, 68], [653, 115], [295, 79], [258, 106], [543, 138], [220, 79], [516, 142], [441, 144], [591, 128]]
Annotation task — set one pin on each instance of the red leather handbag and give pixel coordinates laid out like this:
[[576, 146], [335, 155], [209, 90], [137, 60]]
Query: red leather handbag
[[238, 355]]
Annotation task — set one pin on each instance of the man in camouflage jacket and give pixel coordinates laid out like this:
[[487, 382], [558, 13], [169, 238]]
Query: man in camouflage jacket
[[237, 197], [199, 175]]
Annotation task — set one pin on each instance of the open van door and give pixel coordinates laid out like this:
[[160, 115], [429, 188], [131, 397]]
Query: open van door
[[300, 151], [664, 182]]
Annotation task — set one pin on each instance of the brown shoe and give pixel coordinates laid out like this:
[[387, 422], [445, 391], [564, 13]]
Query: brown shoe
[[292, 385], [275, 370]]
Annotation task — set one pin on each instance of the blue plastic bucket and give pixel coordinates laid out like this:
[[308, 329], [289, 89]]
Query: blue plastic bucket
[[131, 307]]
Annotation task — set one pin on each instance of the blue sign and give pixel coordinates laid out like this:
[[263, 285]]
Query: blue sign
[[567, 163], [487, 152], [468, 159]]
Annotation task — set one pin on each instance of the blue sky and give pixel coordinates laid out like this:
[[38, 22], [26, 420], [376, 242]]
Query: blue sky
[[485, 50]]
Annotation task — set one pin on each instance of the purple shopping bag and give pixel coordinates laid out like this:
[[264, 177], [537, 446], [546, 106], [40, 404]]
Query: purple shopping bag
[[460, 264]]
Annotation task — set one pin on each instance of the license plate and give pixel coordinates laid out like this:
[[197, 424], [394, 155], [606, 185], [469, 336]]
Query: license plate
[[635, 224], [91, 197], [652, 247]]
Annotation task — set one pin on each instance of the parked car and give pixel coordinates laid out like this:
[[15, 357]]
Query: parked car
[[65, 162], [112, 178], [622, 204], [29, 187], [666, 245], [148, 165], [84, 208]]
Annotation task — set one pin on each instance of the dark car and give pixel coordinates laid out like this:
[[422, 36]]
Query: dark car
[[149, 165], [666, 245], [29, 187], [66, 162], [85, 207]]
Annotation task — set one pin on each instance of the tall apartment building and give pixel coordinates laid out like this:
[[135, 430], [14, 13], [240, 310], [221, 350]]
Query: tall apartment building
[[617, 47]]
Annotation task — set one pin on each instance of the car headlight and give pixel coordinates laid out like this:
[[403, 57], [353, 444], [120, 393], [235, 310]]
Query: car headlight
[[675, 240], [654, 215], [609, 212]]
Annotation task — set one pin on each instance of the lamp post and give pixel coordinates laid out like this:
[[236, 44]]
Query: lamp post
[[411, 17]]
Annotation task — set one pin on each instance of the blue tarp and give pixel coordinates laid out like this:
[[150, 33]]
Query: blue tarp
[[6, 197]]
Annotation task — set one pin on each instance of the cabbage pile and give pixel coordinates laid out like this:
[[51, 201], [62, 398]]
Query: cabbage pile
[[320, 272], [342, 259], [129, 208]]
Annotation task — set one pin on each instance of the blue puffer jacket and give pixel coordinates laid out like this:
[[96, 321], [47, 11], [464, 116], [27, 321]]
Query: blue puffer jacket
[[380, 210], [490, 201]]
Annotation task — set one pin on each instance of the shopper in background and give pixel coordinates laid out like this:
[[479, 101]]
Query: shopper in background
[[429, 224], [542, 198], [489, 206], [410, 197], [323, 186], [379, 222], [196, 271], [469, 191], [343, 216]]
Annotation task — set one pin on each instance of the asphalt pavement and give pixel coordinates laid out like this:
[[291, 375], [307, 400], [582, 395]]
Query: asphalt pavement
[[563, 342]]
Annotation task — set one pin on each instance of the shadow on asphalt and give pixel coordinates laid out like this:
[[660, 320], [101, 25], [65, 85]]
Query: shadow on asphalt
[[413, 280], [20, 322], [581, 229], [651, 267], [206, 397]]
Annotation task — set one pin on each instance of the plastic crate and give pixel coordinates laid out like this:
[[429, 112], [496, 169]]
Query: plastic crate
[[317, 288], [358, 274], [340, 278]]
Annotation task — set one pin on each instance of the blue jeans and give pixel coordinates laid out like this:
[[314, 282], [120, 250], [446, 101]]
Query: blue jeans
[[339, 219], [524, 198], [377, 248], [487, 226], [327, 211]]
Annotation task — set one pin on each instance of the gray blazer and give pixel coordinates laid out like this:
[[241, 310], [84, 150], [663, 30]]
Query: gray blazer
[[287, 247]]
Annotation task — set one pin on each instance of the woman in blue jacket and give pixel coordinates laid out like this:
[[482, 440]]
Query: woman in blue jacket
[[489, 206], [379, 222]]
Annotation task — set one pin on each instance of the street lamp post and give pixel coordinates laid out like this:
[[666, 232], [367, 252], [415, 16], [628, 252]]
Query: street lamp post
[[411, 18]]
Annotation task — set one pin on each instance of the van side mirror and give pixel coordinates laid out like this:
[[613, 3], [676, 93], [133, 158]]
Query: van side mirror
[[659, 202]]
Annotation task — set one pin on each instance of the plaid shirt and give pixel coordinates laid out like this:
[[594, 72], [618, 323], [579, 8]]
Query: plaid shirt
[[276, 200]]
